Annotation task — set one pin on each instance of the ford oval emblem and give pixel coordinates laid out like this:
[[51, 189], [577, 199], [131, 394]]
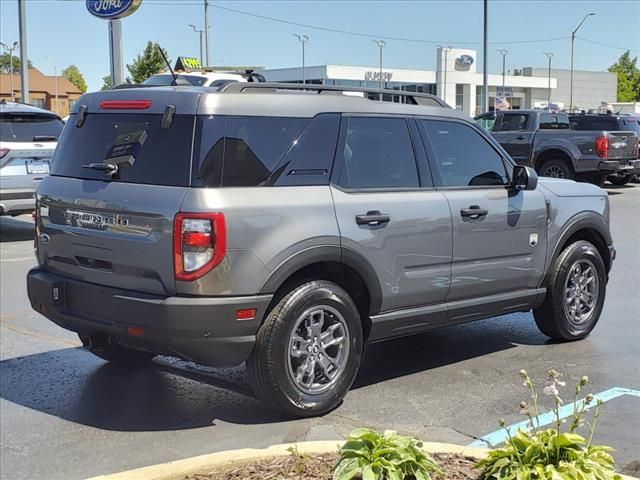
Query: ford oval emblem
[[464, 60], [112, 9], [44, 238]]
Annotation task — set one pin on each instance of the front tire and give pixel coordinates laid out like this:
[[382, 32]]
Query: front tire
[[308, 350], [576, 288], [556, 168]]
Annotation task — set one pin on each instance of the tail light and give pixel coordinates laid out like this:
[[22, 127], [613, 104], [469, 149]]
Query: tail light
[[4, 151], [602, 146], [199, 244], [124, 104]]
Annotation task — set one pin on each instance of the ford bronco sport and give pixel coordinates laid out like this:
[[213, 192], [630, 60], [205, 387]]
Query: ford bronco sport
[[287, 226]]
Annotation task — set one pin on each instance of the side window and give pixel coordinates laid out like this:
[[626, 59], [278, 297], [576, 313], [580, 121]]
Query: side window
[[554, 121], [487, 122], [513, 122], [378, 153], [462, 156]]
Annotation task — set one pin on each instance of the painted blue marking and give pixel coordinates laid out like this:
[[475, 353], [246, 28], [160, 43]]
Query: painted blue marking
[[500, 436]]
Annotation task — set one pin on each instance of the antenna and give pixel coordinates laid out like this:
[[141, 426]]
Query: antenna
[[164, 57]]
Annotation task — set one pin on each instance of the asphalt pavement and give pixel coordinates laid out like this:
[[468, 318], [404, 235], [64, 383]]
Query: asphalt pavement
[[65, 414]]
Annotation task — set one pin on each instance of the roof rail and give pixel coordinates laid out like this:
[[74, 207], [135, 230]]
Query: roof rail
[[415, 98]]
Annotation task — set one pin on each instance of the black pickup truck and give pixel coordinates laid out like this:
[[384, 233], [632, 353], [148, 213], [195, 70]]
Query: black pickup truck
[[544, 140]]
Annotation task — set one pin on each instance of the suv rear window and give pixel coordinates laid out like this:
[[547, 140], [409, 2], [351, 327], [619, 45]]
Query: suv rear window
[[17, 127], [144, 151]]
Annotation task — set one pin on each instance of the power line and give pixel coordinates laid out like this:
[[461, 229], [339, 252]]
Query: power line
[[607, 45]]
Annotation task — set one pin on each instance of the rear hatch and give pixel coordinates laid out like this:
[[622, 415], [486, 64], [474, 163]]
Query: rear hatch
[[623, 145], [116, 229]]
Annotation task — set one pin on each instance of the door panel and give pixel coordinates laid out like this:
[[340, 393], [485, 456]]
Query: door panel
[[502, 251], [411, 253]]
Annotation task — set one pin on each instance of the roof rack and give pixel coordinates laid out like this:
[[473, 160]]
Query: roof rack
[[415, 98]]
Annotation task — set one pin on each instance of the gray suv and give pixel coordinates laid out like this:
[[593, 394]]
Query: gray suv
[[289, 226]]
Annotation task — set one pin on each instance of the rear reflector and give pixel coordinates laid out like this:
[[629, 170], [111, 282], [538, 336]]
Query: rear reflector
[[125, 104], [135, 331], [246, 314]]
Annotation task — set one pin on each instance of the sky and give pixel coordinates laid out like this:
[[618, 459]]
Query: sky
[[62, 32]]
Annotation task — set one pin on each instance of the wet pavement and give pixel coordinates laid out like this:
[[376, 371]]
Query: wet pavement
[[65, 414]]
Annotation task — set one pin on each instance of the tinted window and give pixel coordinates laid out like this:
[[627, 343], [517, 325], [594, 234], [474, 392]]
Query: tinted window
[[512, 122], [24, 127], [594, 123], [462, 156], [554, 121], [378, 153], [631, 123], [486, 122], [144, 152]]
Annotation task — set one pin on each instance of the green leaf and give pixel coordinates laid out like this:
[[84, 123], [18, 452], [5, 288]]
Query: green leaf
[[346, 470], [367, 473]]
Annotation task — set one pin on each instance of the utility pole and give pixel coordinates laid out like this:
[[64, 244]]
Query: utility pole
[[504, 54], [206, 32], [549, 57], [303, 39], [380, 44], [485, 69], [200, 32], [24, 63], [10, 49], [573, 40]]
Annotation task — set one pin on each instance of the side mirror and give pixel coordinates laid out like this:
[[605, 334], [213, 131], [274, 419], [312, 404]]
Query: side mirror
[[524, 178]]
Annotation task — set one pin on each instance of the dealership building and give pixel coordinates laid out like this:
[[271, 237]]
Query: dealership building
[[458, 82]]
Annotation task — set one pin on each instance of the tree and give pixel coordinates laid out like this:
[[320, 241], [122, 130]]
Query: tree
[[4, 63], [147, 64], [72, 73], [628, 78], [107, 84]]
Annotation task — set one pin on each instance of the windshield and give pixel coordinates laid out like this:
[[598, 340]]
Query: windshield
[[22, 127]]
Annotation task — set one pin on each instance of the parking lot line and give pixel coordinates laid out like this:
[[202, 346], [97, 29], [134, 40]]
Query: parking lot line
[[500, 436]]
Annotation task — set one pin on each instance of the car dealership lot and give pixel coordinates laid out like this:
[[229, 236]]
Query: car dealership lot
[[66, 414]]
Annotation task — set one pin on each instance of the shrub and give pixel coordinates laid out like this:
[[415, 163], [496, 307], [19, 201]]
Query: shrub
[[550, 454], [372, 456]]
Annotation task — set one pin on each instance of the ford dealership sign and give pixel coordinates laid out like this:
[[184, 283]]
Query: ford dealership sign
[[112, 9], [464, 60]]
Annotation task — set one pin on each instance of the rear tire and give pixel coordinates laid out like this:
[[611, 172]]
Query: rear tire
[[576, 288], [114, 352], [556, 168], [308, 350], [598, 179], [620, 180]]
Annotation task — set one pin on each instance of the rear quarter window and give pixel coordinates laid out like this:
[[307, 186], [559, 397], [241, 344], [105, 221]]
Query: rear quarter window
[[144, 152], [15, 127]]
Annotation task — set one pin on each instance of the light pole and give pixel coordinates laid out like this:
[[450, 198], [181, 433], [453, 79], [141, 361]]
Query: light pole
[[573, 40], [10, 49], [504, 54], [380, 44], [55, 76], [485, 62], [303, 39], [24, 63], [200, 32], [549, 56], [206, 32]]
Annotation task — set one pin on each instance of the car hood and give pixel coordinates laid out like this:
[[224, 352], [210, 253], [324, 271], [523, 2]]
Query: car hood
[[570, 188]]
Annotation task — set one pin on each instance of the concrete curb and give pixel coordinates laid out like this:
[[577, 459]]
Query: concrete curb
[[179, 469]]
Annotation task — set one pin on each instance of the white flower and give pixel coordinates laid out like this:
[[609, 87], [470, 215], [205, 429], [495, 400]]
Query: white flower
[[551, 390]]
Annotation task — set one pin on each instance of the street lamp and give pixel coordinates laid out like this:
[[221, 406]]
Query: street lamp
[[10, 49], [380, 44], [504, 54], [55, 75], [201, 32], [573, 40], [549, 56], [303, 39]]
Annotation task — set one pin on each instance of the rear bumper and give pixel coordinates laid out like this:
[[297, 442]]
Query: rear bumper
[[17, 201], [620, 167], [203, 330]]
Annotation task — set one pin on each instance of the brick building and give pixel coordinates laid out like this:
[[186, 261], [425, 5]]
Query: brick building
[[42, 91]]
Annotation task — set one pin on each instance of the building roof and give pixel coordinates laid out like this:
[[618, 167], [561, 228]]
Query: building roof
[[38, 82], [13, 107]]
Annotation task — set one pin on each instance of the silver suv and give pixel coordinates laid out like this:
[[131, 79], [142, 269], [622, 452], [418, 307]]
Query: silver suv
[[288, 228]]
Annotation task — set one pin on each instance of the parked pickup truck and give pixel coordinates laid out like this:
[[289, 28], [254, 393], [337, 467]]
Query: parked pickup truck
[[544, 140]]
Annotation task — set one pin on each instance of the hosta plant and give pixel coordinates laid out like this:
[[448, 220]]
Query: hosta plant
[[368, 455], [551, 453]]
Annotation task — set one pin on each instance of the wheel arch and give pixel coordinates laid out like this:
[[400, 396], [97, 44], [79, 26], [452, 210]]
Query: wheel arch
[[553, 152]]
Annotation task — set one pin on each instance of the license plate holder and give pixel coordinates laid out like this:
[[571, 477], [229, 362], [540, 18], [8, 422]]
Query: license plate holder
[[38, 168]]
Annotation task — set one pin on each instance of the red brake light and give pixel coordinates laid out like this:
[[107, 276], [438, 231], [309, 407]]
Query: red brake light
[[125, 104], [199, 244], [602, 146]]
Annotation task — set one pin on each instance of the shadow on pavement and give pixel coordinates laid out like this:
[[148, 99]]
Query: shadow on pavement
[[170, 394], [13, 230]]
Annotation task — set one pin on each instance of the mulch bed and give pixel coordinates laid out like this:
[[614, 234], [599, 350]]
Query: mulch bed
[[318, 467]]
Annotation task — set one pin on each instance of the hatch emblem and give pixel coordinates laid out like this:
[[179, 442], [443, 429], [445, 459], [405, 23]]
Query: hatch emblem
[[93, 221]]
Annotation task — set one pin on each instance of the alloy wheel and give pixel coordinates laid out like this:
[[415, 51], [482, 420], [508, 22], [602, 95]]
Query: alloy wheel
[[581, 291]]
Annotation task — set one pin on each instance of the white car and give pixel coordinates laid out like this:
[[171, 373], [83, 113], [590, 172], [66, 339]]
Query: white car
[[28, 138]]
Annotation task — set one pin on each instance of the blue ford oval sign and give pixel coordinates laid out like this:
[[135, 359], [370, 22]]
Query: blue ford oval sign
[[112, 9], [464, 60]]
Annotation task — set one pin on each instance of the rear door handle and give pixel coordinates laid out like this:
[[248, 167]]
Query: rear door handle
[[373, 218], [474, 211], [520, 137]]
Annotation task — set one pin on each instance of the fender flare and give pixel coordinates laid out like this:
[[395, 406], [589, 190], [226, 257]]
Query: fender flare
[[327, 253], [548, 149]]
